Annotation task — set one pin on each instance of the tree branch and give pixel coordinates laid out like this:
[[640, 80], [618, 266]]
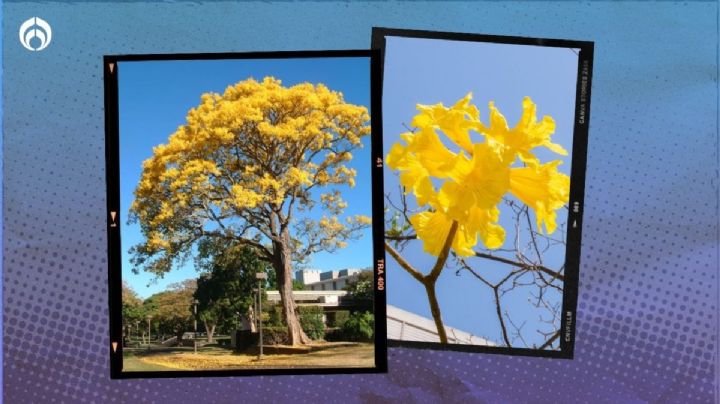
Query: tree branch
[[404, 264], [442, 257], [550, 341], [500, 317], [435, 310], [400, 238], [532, 237], [541, 268], [261, 248]]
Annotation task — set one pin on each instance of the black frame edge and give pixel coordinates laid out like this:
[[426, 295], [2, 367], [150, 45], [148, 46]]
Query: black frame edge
[[378, 207], [112, 152], [577, 196], [112, 175], [577, 185]]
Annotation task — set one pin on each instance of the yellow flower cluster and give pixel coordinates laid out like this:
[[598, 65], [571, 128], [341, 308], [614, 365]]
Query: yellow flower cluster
[[466, 186], [256, 144]]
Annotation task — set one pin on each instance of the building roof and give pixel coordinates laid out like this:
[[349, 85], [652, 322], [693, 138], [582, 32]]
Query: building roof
[[406, 326]]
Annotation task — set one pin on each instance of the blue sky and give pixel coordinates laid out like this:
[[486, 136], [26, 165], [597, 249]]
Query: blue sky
[[154, 98], [428, 71]]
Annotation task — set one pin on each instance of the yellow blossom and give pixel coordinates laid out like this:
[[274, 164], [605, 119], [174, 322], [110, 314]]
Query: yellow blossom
[[544, 189], [526, 135], [473, 180], [452, 121], [423, 157]]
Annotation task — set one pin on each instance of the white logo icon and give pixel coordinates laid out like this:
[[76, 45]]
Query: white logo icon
[[35, 27]]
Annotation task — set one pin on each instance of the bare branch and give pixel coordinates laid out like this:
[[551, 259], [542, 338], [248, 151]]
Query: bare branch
[[442, 257], [500, 317], [400, 238], [532, 236], [550, 341], [404, 264], [521, 265]]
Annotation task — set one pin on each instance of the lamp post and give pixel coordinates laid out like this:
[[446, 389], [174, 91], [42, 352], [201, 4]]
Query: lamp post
[[195, 304], [255, 309], [149, 317], [260, 276], [254, 319]]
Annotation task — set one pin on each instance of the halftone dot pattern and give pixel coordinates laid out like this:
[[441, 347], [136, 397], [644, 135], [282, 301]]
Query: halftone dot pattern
[[648, 308]]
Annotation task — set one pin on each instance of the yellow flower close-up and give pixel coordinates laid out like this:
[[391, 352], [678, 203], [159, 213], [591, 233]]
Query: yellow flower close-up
[[526, 135], [464, 175], [544, 189]]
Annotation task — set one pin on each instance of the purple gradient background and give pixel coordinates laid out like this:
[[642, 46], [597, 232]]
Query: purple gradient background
[[648, 305]]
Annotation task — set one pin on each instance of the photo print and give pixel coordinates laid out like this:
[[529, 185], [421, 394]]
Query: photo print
[[243, 223], [484, 143]]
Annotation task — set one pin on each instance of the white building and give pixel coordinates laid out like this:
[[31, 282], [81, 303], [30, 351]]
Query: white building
[[307, 276], [330, 298], [406, 326], [313, 279]]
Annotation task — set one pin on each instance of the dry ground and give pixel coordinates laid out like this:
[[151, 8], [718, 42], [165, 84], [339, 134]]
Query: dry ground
[[356, 355]]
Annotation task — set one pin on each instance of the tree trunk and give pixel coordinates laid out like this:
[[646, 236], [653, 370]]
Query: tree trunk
[[282, 263], [210, 330]]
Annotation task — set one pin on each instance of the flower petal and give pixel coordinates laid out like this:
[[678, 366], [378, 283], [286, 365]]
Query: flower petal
[[544, 189], [432, 228]]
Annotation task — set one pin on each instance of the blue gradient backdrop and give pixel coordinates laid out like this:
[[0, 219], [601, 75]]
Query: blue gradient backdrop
[[648, 304]]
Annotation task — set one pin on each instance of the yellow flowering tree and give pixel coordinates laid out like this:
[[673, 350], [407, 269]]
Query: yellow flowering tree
[[460, 169], [245, 167]]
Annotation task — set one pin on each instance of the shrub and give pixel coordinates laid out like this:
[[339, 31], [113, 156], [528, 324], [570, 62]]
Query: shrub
[[311, 321], [275, 317], [359, 327], [340, 318], [274, 335]]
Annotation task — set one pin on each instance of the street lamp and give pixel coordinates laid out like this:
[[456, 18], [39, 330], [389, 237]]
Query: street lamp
[[255, 309], [149, 317], [195, 304], [137, 330], [260, 276]]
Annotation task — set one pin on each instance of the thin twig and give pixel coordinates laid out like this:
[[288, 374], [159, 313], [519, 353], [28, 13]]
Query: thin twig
[[532, 237], [550, 341], [521, 265], [541, 268]]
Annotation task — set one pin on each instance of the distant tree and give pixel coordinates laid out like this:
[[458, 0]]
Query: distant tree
[[172, 308], [361, 289], [133, 310], [248, 166], [224, 289]]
